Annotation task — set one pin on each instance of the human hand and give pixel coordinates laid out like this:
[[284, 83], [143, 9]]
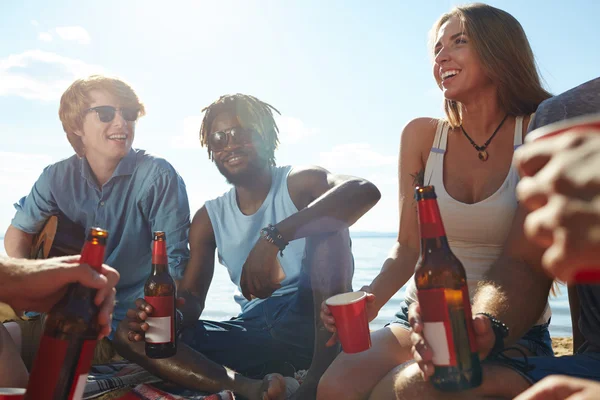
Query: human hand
[[423, 353], [329, 320], [37, 285], [261, 273], [136, 319], [559, 387], [561, 188]]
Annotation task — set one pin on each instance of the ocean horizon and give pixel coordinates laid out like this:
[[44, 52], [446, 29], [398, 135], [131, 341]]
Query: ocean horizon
[[370, 250]]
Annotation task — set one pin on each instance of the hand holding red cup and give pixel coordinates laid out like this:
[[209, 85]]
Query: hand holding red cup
[[352, 325]]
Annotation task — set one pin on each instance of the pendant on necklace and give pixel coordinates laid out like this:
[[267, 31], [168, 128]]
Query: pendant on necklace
[[483, 155]]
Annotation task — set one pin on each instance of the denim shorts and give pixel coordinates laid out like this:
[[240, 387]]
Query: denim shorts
[[276, 335], [534, 369], [537, 340]]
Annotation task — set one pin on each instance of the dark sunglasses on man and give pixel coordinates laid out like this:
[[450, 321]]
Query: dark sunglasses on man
[[107, 113], [219, 140]]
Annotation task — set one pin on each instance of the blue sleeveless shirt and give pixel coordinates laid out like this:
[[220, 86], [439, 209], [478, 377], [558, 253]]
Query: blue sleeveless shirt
[[236, 234]]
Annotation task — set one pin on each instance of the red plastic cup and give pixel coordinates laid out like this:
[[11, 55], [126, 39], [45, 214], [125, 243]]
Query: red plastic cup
[[350, 313], [12, 393], [584, 275]]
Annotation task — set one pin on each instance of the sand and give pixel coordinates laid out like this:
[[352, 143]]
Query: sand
[[562, 345]]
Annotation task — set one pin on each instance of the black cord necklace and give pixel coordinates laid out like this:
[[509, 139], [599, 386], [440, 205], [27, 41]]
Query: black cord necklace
[[482, 154]]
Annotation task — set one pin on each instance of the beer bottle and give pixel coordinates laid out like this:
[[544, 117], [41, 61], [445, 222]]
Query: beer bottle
[[159, 292], [444, 300], [68, 341]]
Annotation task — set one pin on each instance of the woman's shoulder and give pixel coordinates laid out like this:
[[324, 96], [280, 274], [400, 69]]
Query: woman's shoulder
[[420, 131]]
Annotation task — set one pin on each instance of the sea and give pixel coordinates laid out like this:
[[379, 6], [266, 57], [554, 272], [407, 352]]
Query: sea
[[369, 250]]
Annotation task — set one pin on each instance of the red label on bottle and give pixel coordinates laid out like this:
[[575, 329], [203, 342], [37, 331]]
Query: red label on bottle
[[436, 326], [430, 219], [161, 323], [50, 369]]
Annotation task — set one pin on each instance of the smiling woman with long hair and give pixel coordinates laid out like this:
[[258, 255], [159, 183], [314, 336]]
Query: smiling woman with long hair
[[485, 68]]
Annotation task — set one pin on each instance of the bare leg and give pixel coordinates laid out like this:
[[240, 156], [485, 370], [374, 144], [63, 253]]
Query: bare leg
[[12, 370], [407, 383], [353, 376], [330, 263], [192, 370]]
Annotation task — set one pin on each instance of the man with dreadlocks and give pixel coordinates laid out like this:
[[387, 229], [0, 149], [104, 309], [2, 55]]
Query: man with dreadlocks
[[282, 233]]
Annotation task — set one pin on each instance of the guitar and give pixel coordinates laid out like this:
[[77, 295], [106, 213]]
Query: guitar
[[58, 237]]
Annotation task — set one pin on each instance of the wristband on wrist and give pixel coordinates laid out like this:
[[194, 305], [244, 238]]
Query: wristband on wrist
[[500, 332], [272, 235]]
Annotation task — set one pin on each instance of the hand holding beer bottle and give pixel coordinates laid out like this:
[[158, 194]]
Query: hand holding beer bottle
[[70, 332], [159, 293], [446, 320]]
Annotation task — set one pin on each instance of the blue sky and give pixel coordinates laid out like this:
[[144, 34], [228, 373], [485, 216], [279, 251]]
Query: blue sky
[[346, 75]]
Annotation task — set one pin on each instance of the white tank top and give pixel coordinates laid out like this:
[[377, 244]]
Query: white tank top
[[476, 232]]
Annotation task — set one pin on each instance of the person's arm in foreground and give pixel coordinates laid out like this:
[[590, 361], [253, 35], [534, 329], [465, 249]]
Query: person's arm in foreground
[[560, 387], [561, 187], [37, 285]]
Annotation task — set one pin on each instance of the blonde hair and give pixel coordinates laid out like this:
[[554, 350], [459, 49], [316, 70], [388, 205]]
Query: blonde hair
[[76, 99], [505, 54]]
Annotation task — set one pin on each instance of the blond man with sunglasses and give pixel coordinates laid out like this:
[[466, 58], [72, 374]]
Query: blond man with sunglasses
[[109, 184]]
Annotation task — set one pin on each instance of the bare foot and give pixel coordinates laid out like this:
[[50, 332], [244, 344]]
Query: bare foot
[[272, 388]]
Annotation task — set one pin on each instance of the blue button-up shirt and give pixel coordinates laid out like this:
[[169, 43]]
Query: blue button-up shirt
[[144, 194]]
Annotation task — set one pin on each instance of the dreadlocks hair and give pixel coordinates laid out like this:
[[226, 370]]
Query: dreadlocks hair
[[250, 113]]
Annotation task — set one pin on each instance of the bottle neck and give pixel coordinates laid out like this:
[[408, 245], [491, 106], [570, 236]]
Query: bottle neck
[[93, 255], [431, 227], [158, 269], [160, 262]]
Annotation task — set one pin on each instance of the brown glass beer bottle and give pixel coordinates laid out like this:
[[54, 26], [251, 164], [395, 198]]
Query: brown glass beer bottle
[[159, 292], [444, 300], [71, 329]]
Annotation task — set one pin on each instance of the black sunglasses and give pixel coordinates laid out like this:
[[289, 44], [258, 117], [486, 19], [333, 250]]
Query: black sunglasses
[[219, 140], [107, 113]]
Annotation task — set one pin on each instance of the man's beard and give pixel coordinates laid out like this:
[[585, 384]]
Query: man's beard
[[253, 169]]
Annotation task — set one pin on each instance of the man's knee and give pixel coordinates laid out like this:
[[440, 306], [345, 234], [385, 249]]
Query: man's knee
[[409, 384], [332, 249], [330, 388]]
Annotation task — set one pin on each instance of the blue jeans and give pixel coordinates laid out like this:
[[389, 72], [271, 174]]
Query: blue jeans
[[537, 340], [276, 335]]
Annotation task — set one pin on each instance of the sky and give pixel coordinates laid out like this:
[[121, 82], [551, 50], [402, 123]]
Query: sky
[[346, 76]]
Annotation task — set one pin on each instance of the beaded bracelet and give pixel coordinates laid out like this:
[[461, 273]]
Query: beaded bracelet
[[500, 332], [272, 235]]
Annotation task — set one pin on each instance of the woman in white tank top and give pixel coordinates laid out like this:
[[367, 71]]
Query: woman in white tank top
[[485, 68]]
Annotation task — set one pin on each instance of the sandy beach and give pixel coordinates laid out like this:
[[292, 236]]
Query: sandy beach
[[562, 346]]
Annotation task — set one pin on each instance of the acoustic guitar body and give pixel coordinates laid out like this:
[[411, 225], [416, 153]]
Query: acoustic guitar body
[[59, 237]]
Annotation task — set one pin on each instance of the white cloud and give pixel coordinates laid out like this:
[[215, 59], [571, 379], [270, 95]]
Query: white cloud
[[18, 77], [34, 22], [292, 130], [355, 155], [73, 33], [45, 36]]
